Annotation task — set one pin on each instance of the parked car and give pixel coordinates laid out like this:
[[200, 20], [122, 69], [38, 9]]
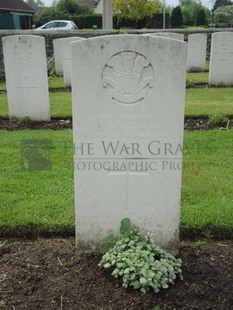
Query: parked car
[[58, 24]]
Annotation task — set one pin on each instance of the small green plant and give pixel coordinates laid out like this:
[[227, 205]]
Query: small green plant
[[199, 243], [2, 244], [23, 121], [189, 83], [142, 264], [121, 31], [218, 120], [51, 66]]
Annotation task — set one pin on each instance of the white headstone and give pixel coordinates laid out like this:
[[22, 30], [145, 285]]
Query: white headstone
[[128, 116], [26, 76], [58, 56], [66, 58], [221, 59], [197, 51], [170, 35]]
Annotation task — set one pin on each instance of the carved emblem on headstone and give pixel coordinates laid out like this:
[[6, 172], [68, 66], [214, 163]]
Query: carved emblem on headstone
[[128, 77], [23, 49]]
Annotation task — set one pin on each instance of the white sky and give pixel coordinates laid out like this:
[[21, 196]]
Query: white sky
[[207, 3]]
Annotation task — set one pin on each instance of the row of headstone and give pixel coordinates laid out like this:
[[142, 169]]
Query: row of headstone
[[221, 56], [128, 96], [25, 65], [28, 88], [62, 57], [196, 48], [128, 110]]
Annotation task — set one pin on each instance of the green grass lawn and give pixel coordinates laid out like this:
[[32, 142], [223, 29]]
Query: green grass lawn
[[60, 104], [209, 101], [192, 78], [46, 199], [199, 101], [56, 82], [43, 198], [198, 78]]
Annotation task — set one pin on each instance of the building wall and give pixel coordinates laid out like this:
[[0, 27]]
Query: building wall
[[55, 34], [9, 21]]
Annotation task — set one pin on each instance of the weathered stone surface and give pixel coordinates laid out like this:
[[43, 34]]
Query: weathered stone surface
[[221, 59], [26, 77], [197, 51], [128, 112]]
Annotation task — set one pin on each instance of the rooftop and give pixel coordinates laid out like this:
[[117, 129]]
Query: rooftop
[[15, 6]]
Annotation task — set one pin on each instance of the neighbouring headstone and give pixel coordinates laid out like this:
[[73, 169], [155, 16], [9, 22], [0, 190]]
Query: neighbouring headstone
[[170, 35], [26, 77], [221, 59], [58, 56], [66, 58], [196, 52], [128, 117]]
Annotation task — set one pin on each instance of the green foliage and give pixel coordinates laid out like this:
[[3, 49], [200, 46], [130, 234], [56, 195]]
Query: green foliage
[[224, 14], [35, 3], [201, 18], [126, 227], [49, 14], [135, 9], [24, 121], [190, 11], [218, 120], [220, 3], [87, 21], [54, 3], [51, 66], [199, 243], [73, 7], [176, 17], [107, 243], [2, 244], [141, 263], [121, 31]]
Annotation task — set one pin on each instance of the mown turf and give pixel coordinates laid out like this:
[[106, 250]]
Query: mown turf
[[60, 104], [199, 101], [37, 197], [46, 199], [209, 101]]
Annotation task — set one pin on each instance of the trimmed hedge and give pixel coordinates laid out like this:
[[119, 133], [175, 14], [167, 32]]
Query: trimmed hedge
[[87, 21], [95, 21]]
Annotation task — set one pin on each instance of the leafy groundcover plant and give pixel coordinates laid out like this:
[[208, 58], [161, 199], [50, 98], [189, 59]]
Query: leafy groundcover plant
[[141, 263]]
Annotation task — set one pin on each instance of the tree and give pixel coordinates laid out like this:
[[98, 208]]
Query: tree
[[219, 3], [135, 9], [73, 7], [190, 10], [35, 3], [224, 14], [54, 3], [201, 18], [49, 14], [176, 18]]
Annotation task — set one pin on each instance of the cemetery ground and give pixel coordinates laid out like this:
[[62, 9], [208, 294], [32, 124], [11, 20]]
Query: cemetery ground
[[38, 273]]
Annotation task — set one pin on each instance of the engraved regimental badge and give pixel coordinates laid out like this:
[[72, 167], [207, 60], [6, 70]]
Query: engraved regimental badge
[[23, 49], [128, 77]]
